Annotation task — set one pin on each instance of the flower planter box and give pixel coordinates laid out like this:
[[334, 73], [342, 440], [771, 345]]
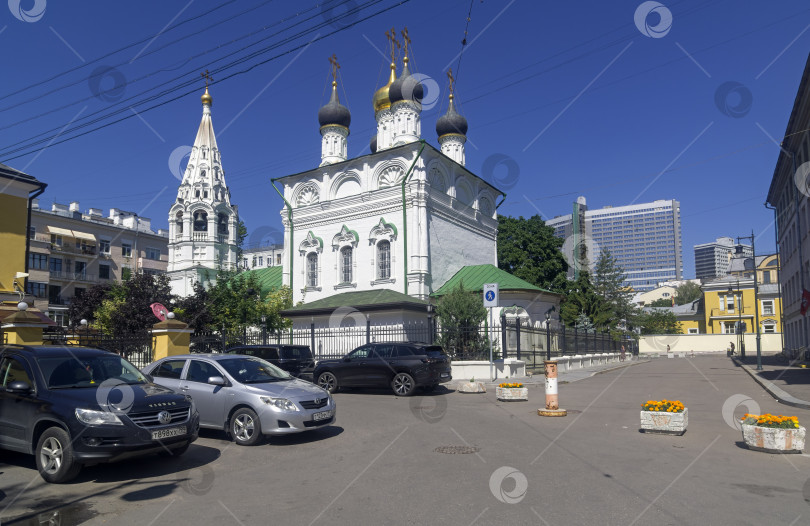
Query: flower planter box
[[773, 439], [663, 422], [512, 394], [471, 387]]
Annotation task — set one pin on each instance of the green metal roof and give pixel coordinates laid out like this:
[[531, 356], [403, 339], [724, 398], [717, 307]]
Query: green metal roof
[[269, 278], [475, 276], [360, 300]]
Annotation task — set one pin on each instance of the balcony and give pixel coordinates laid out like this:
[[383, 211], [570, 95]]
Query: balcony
[[73, 276], [72, 249], [58, 300], [199, 236]]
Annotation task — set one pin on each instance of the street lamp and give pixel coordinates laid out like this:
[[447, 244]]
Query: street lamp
[[264, 329], [430, 323], [739, 331], [756, 297]]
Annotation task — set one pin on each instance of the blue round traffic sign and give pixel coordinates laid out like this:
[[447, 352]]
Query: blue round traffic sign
[[490, 295]]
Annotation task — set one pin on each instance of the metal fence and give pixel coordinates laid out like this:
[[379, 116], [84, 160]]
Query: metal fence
[[509, 339], [138, 348]]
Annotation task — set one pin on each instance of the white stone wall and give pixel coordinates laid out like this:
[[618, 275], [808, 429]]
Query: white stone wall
[[771, 342]]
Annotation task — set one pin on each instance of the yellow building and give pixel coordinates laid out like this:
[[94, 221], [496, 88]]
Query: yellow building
[[16, 191], [729, 300]]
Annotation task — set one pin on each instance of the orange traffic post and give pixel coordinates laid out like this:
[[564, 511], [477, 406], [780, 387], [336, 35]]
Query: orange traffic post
[[552, 398]]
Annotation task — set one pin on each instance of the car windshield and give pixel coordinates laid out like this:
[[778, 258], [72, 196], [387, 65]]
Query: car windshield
[[77, 371], [253, 370]]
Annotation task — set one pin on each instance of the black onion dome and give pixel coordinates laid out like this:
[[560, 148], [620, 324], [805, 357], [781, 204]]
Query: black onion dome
[[406, 87], [451, 122], [334, 112], [373, 143]]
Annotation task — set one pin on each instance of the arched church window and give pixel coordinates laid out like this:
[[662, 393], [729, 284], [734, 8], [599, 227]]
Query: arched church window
[[202, 174], [383, 260], [222, 224], [346, 265], [312, 269], [179, 220], [200, 221]]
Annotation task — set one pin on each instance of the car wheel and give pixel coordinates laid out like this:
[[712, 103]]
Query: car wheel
[[54, 455], [328, 382], [403, 384], [245, 427], [176, 452]]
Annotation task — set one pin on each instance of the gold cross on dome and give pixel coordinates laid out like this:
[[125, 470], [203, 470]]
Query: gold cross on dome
[[393, 42], [451, 79], [407, 39], [335, 66], [207, 76]]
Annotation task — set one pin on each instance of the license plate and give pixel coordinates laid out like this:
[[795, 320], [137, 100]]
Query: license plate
[[323, 415], [445, 375], [167, 433]]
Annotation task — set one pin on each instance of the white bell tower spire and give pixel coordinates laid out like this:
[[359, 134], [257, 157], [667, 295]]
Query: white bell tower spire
[[202, 221]]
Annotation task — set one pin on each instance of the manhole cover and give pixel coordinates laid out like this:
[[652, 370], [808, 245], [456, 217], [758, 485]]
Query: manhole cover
[[457, 450]]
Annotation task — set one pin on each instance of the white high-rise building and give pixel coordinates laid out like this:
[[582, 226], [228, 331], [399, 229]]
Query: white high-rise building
[[712, 260], [202, 221]]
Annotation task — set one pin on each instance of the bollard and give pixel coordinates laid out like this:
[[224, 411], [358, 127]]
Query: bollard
[[552, 399]]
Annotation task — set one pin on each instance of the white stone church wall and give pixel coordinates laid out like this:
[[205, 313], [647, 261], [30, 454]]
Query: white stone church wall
[[453, 246]]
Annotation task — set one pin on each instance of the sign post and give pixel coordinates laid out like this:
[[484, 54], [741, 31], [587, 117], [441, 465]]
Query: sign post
[[491, 300]]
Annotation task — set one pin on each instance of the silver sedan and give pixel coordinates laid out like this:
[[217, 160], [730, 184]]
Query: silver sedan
[[245, 396]]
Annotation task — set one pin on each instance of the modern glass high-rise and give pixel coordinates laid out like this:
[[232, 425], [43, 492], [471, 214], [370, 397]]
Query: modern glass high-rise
[[644, 238], [712, 259]]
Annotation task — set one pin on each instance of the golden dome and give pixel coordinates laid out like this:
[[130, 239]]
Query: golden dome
[[206, 97], [381, 100]]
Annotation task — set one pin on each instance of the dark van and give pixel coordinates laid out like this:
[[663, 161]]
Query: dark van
[[295, 359]]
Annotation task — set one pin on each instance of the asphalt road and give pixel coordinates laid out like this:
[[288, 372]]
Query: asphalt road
[[379, 464]]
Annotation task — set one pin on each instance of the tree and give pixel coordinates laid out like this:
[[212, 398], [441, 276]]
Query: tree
[[609, 283], [132, 314], [661, 302], [461, 313], [658, 321], [195, 310], [687, 293], [583, 323], [241, 234], [83, 306], [580, 298], [528, 249]]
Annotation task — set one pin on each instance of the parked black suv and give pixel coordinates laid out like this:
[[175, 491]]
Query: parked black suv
[[71, 406], [295, 359], [403, 366]]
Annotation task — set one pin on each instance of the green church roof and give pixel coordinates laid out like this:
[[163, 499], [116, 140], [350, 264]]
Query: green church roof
[[360, 300], [475, 276], [269, 278]]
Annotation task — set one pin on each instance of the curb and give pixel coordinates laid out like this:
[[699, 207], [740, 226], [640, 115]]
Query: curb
[[562, 380], [779, 394]]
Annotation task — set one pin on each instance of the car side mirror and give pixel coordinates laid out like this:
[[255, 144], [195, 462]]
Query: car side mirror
[[216, 380], [18, 387]]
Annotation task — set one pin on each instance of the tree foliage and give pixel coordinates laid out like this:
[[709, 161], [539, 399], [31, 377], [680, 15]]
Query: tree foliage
[[609, 283], [236, 302], [661, 302], [83, 306], [461, 313], [580, 298], [528, 249], [658, 321], [687, 293]]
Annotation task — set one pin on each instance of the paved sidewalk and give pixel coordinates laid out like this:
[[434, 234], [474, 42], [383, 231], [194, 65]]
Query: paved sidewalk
[[570, 376], [790, 385]]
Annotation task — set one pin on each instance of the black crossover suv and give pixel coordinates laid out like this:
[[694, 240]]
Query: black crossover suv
[[403, 366], [295, 359], [70, 406]]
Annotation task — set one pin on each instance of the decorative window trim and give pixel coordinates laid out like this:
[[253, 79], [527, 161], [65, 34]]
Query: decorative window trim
[[352, 285], [383, 230], [342, 178], [310, 243], [312, 189], [383, 281], [346, 237], [385, 168]]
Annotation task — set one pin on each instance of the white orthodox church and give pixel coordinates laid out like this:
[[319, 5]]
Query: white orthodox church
[[202, 221]]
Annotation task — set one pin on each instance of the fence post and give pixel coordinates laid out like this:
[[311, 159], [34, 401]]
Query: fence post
[[576, 341], [224, 339], [368, 331], [563, 341], [312, 336], [503, 335], [517, 335]]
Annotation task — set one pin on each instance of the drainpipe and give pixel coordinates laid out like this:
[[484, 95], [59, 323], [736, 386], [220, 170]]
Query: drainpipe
[[31, 197], [292, 231], [405, 213]]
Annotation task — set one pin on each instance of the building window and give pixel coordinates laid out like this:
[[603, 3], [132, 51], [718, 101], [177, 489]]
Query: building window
[[346, 265], [104, 246], [104, 271], [693, 331], [254, 262], [312, 269], [766, 276], [153, 253], [32, 232], [39, 290], [37, 261], [56, 265], [728, 327], [58, 317], [278, 259], [261, 261], [56, 240], [767, 307], [126, 250], [769, 328], [383, 260], [151, 272]]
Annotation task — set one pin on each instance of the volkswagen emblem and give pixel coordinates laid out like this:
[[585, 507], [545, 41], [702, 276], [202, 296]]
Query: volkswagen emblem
[[164, 417], [317, 401]]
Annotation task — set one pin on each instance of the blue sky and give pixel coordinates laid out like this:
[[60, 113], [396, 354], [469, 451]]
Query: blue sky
[[563, 99]]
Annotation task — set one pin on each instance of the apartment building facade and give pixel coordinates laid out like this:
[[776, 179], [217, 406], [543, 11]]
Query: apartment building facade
[[712, 260]]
